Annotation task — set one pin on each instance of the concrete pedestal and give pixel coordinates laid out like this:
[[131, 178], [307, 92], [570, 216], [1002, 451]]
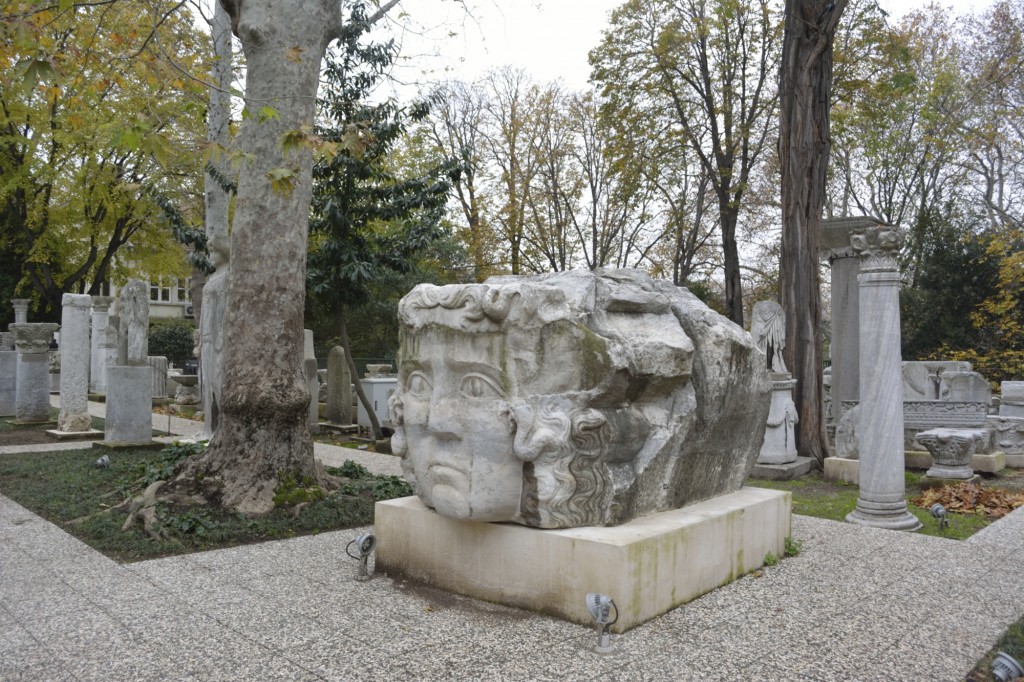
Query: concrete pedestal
[[648, 566], [129, 418]]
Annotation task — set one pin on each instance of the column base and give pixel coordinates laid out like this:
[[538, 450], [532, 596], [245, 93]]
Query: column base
[[889, 516]]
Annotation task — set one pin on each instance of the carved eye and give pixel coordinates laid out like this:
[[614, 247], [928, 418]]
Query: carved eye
[[479, 386], [418, 385]]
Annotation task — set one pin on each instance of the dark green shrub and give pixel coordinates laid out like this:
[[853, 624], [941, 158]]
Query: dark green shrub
[[172, 339]]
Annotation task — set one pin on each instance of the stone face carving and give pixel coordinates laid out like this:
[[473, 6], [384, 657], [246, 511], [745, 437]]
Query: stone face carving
[[133, 311], [76, 356], [566, 399], [211, 331], [768, 327]]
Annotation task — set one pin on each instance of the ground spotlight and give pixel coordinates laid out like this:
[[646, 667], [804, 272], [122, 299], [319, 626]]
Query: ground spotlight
[[940, 515], [600, 607], [1006, 668], [365, 545]]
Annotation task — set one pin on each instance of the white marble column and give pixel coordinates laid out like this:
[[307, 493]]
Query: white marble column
[[74, 364], [97, 358], [882, 485], [20, 309], [32, 402]]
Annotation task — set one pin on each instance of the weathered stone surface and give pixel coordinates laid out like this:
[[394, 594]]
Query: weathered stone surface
[[951, 451], [968, 387], [573, 399], [1012, 399], [97, 347], [373, 371], [133, 312], [187, 392], [75, 359], [211, 333], [779, 438], [844, 347], [32, 399], [20, 306], [129, 417], [881, 502], [6, 341], [339, 387], [1007, 434], [158, 364], [109, 348], [847, 445], [8, 382], [928, 379], [312, 382], [768, 327]]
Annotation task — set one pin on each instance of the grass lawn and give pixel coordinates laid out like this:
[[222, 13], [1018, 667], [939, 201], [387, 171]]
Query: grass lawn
[[1012, 643], [813, 496], [68, 489]]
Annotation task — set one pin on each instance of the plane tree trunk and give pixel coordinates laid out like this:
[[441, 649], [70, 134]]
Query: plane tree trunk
[[804, 142]]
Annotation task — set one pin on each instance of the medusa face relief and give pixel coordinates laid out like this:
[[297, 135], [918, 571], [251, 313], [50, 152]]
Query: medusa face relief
[[458, 427]]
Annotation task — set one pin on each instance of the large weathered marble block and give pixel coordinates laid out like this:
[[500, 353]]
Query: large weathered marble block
[[1012, 399], [74, 369], [573, 399], [927, 379], [133, 313], [129, 417]]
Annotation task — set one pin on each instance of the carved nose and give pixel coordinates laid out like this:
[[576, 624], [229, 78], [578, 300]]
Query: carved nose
[[441, 420]]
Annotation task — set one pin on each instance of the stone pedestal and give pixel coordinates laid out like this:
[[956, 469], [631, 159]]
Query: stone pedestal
[[1012, 399], [20, 306], [97, 354], [844, 348], [74, 368], [158, 364], [779, 445], [648, 565], [8, 382], [129, 418], [880, 433], [339, 388], [32, 399], [951, 451], [312, 381], [187, 392]]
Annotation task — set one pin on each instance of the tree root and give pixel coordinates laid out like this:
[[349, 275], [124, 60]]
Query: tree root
[[143, 508]]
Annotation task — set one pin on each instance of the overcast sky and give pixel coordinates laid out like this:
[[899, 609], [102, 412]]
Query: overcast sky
[[549, 38]]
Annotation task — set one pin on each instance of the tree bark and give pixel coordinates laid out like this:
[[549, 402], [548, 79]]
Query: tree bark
[[264, 429], [804, 142]]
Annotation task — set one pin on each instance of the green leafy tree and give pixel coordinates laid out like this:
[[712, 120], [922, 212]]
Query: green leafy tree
[[368, 222], [97, 127]]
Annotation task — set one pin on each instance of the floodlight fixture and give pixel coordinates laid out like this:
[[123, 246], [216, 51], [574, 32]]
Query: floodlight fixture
[[600, 607], [1006, 668], [365, 544], [940, 514]]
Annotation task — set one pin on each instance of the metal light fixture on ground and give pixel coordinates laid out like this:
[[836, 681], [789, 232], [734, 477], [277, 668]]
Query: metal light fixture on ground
[[1006, 668], [365, 545], [940, 514], [600, 607]]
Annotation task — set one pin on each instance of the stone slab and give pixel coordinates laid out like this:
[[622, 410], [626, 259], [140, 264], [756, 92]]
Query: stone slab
[[1014, 461], [339, 428], [989, 464], [783, 472], [117, 445], [74, 435], [936, 482], [648, 565], [917, 459], [841, 470], [30, 422]]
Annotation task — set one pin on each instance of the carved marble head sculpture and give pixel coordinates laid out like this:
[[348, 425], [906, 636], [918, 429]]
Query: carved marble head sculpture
[[566, 400]]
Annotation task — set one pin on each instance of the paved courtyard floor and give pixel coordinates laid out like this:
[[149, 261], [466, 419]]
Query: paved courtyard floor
[[856, 604]]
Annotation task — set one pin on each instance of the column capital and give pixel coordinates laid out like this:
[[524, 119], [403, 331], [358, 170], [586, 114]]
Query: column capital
[[33, 337], [878, 246]]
